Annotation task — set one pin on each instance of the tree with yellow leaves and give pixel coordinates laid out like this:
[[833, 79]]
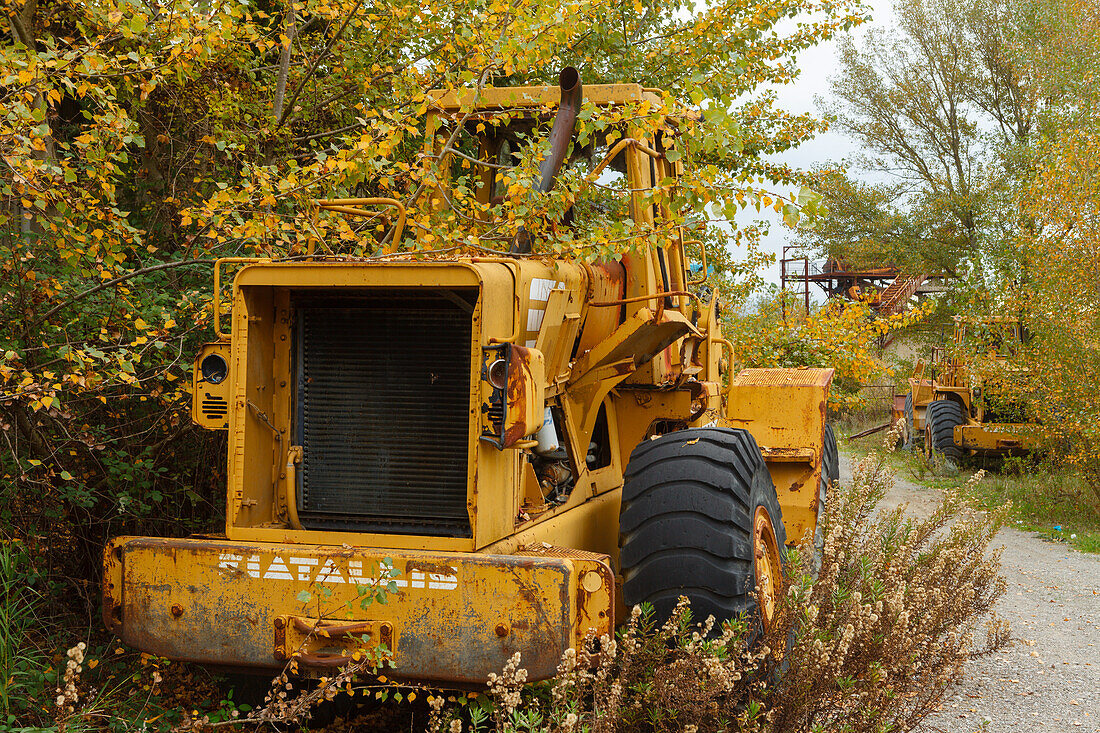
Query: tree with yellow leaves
[[1061, 294], [842, 334], [985, 113]]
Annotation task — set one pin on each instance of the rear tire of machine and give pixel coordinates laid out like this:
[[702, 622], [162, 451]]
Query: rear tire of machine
[[939, 425], [831, 453], [830, 473], [697, 504], [908, 422]]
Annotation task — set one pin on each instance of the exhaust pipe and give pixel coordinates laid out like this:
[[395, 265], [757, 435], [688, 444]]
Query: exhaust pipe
[[572, 94]]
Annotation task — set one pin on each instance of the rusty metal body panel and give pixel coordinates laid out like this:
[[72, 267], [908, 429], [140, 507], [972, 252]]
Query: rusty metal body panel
[[897, 408], [784, 409], [452, 616], [922, 392], [997, 438]]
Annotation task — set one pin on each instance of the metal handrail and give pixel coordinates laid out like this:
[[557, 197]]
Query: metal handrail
[[352, 207], [729, 346], [218, 289], [702, 257], [640, 298]]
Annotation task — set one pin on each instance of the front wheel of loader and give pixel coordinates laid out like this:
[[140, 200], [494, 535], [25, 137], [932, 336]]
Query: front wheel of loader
[[700, 518], [939, 429]]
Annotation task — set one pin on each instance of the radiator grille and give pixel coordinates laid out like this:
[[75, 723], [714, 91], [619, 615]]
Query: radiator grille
[[384, 412]]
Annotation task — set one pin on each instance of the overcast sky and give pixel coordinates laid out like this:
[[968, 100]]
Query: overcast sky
[[818, 64]]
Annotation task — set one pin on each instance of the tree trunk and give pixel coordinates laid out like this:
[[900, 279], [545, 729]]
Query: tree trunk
[[284, 63]]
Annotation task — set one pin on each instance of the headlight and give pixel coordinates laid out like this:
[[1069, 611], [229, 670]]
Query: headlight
[[214, 369], [498, 374]]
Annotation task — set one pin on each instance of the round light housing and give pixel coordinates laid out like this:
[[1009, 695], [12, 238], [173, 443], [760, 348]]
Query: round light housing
[[498, 374], [213, 369]]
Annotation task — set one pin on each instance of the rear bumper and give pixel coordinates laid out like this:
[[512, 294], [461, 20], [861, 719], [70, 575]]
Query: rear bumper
[[995, 438], [448, 617]]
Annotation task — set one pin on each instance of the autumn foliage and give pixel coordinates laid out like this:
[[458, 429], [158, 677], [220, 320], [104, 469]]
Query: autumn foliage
[[842, 334], [980, 120], [1061, 252]]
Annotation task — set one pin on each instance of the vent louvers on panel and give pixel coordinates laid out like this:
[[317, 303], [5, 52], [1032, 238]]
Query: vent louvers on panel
[[384, 413], [214, 407], [496, 417]]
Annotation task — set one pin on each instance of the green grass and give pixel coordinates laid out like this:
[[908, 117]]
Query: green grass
[[1054, 503], [18, 659], [1043, 496]]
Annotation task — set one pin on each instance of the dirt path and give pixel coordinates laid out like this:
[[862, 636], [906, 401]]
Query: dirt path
[[1049, 678]]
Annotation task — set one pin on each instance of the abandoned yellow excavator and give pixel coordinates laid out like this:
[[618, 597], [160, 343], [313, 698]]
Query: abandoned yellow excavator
[[450, 459]]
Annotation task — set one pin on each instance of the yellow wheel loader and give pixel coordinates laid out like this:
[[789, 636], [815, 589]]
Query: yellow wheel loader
[[449, 459], [962, 412]]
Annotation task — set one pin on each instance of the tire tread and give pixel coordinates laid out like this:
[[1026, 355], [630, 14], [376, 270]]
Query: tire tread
[[686, 521], [941, 418]]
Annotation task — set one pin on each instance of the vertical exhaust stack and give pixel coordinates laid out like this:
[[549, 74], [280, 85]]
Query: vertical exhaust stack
[[572, 94]]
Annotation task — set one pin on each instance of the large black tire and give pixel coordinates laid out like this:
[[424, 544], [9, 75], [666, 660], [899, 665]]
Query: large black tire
[[831, 454], [686, 522], [939, 425], [908, 445], [830, 473]]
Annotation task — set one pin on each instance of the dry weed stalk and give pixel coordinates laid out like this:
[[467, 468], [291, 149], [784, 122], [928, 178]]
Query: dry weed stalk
[[672, 676], [882, 633], [287, 703], [68, 707], [67, 693]]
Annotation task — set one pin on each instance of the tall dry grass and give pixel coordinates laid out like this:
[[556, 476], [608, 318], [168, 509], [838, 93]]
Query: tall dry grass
[[872, 643]]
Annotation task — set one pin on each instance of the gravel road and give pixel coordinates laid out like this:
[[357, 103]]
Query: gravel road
[[1049, 678]]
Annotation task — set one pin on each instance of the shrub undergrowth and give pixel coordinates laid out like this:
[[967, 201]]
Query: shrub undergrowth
[[884, 630], [1040, 492], [18, 657], [872, 643]]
